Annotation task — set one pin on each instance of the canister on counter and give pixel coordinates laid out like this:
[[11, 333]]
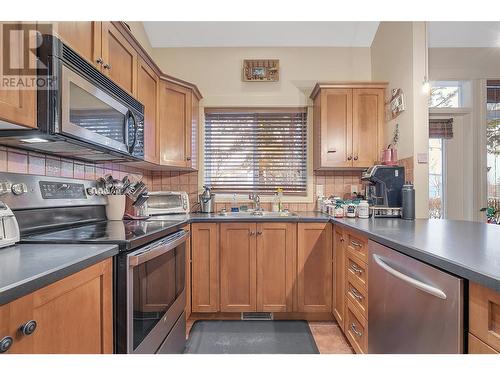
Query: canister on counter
[[408, 202]]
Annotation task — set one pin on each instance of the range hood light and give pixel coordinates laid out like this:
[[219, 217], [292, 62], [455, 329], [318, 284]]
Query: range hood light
[[34, 140]]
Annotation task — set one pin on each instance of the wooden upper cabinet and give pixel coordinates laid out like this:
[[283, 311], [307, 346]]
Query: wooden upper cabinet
[[339, 275], [148, 90], [18, 105], [314, 267], [175, 125], [238, 267], [348, 123], [367, 126], [205, 267], [73, 315], [84, 37], [333, 128], [276, 265], [119, 58]]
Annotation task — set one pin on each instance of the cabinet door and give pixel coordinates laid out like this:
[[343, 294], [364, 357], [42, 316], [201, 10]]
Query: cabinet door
[[367, 125], [276, 260], [83, 37], [17, 105], [339, 275], [334, 130], [73, 315], [205, 267], [238, 267], [314, 267], [148, 90], [120, 58], [175, 112]]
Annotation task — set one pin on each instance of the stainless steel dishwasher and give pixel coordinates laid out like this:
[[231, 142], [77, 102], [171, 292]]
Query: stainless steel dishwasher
[[413, 307]]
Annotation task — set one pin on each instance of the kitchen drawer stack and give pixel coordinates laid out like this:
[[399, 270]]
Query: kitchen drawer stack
[[350, 299], [484, 320]]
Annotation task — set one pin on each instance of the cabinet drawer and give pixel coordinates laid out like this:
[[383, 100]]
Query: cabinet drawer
[[357, 295], [356, 329], [357, 245], [476, 346], [484, 314], [357, 270]]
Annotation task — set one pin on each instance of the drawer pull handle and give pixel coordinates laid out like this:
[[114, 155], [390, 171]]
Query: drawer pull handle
[[357, 270], [355, 330], [356, 244], [6, 343], [356, 294]]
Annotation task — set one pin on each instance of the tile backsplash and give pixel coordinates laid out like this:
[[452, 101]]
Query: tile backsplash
[[26, 162]]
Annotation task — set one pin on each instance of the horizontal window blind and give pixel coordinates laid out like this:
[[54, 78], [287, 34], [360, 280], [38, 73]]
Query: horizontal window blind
[[441, 128], [247, 151]]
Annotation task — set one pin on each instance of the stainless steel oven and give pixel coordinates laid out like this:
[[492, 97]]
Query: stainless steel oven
[[151, 295]]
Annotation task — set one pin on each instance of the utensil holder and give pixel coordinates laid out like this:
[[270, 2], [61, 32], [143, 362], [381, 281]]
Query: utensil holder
[[115, 208]]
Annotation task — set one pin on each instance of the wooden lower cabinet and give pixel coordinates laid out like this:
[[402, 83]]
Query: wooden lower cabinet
[[314, 267], [356, 329], [484, 315], [73, 315], [476, 346], [238, 276], [204, 267], [276, 261], [339, 258]]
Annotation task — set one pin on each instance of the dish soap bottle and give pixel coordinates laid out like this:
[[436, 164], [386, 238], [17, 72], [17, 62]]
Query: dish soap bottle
[[276, 204], [280, 197], [234, 204]]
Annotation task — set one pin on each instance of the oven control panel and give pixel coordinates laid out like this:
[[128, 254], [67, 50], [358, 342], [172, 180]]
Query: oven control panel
[[62, 190]]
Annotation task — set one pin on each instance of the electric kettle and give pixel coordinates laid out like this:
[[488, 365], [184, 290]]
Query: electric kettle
[[9, 230]]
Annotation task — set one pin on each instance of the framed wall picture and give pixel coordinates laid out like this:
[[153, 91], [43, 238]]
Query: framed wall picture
[[266, 70], [397, 103]]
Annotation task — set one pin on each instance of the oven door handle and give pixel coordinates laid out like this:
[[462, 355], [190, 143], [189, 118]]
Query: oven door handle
[[136, 259]]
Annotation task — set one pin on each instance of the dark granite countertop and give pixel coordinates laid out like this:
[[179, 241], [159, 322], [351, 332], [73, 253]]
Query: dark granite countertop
[[467, 249], [25, 268]]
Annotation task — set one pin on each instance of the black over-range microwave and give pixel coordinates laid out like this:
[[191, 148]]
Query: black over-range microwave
[[81, 113]]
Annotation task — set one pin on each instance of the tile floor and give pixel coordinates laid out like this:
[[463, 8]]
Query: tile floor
[[328, 336]]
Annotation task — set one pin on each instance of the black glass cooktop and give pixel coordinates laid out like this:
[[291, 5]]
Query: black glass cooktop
[[130, 233]]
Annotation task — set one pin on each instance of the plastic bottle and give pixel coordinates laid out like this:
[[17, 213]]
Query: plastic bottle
[[276, 204], [234, 204], [280, 196], [363, 210]]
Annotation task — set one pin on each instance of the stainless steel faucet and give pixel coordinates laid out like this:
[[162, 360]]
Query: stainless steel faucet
[[256, 201]]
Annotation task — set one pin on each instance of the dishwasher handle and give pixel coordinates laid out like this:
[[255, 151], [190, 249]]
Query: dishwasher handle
[[410, 280]]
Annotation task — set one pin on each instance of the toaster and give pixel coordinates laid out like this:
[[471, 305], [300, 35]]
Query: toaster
[[9, 230]]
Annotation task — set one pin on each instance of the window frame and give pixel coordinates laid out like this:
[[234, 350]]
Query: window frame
[[244, 197]]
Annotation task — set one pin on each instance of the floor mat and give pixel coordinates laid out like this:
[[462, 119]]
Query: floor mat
[[251, 337]]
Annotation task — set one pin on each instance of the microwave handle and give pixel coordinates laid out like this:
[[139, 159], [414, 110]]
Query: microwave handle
[[142, 257], [126, 134]]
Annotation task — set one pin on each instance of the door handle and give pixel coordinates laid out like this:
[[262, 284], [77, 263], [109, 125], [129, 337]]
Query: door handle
[[410, 280]]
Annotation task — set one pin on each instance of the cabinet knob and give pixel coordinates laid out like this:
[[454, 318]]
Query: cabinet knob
[[342, 239], [28, 328], [349, 157], [99, 61], [6, 343], [259, 233], [356, 157], [107, 66], [252, 233], [188, 158]]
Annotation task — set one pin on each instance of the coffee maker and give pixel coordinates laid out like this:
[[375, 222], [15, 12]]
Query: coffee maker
[[383, 184]]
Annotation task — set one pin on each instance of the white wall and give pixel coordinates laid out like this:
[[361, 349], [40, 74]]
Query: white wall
[[398, 57], [217, 72], [464, 63]]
